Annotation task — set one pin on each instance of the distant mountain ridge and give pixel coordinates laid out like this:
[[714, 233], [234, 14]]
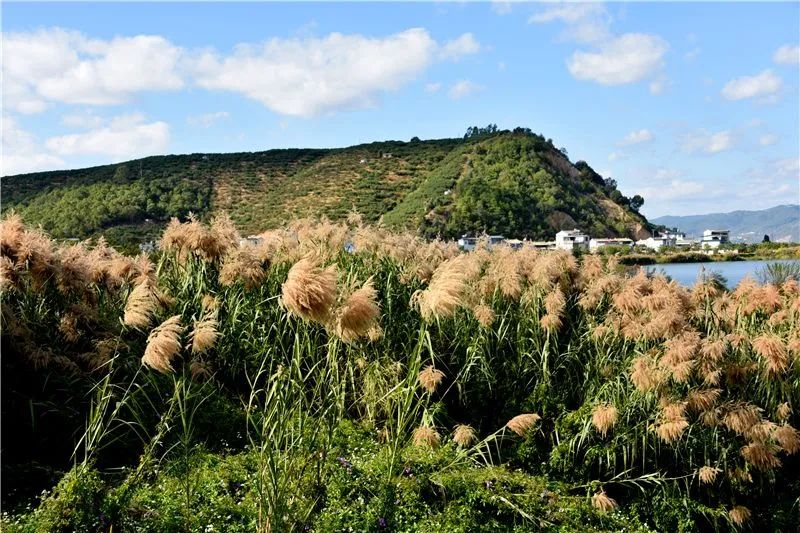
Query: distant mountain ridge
[[515, 183], [781, 223]]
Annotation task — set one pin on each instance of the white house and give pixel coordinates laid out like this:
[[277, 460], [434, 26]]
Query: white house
[[656, 243], [468, 244], [594, 244], [251, 240], [713, 238], [573, 239]]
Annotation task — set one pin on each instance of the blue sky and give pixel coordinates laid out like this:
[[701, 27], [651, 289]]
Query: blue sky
[[694, 106]]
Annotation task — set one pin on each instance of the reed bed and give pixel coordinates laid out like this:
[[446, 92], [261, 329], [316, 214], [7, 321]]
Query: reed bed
[[640, 395]]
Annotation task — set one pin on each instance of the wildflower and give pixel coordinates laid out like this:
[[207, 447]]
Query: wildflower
[[604, 503], [464, 435], [739, 514], [604, 417], [310, 291], [140, 306], [359, 314], [163, 344], [707, 474], [430, 378], [522, 424], [425, 436]]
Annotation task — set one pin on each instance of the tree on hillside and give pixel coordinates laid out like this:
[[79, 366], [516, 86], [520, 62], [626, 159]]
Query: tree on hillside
[[766, 238], [636, 202]]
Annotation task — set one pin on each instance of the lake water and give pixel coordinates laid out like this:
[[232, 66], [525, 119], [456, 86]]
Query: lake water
[[733, 271]]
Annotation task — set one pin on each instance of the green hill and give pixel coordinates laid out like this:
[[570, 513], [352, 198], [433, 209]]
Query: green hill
[[514, 183]]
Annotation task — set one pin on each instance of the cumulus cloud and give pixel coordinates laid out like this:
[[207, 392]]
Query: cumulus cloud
[[314, 76], [56, 65], [763, 84], [433, 87], [585, 22], [207, 120], [703, 141], [463, 88], [21, 152], [636, 137], [788, 54], [464, 45], [83, 120], [626, 59], [768, 139], [122, 137], [673, 189]]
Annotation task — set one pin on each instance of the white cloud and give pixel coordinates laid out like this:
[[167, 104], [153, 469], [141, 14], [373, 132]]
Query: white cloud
[[702, 141], [768, 139], [314, 76], [586, 22], [464, 45], [613, 156], [122, 137], [21, 152], [501, 7], [764, 84], [636, 137], [672, 190], [433, 87], [626, 59], [83, 120], [56, 65], [463, 88], [207, 120], [788, 54]]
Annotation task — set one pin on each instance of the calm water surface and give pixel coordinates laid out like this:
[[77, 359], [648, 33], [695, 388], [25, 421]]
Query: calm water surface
[[733, 271]]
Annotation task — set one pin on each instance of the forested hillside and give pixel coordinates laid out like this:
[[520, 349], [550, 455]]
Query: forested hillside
[[515, 183]]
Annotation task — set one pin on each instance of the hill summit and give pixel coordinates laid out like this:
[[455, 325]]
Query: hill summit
[[514, 183]]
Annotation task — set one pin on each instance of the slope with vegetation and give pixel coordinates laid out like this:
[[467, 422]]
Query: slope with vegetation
[[511, 182], [399, 386]]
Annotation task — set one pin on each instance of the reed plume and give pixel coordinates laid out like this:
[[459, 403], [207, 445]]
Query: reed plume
[[163, 344], [645, 375], [484, 314], [464, 435], [430, 378], [242, 264], [141, 306], [604, 417], [741, 417], [603, 502], [522, 424], [205, 333], [359, 314], [762, 456], [788, 438], [707, 474], [784, 411], [310, 291], [772, 351], [443, 295], [426, 436], [739, 515]]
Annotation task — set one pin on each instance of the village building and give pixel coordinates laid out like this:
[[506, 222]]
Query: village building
[[714, 238], [572, 240], [595, 244]]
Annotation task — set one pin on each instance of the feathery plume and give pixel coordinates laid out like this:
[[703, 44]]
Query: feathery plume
[[707, 474], [464, 435], [430, 378], [604, 417], [443, 295], [741, 417], [761, 455], [205, 333], [163, 344], [68, 326], [310, 291], [522, 424], [784, 411], [484, 314], [242, 264], [773, 351], [359, 313], [140, 306], [739, 515], [787, 438], [425, 436], [702, 399], [645, 375], [603, 503]]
